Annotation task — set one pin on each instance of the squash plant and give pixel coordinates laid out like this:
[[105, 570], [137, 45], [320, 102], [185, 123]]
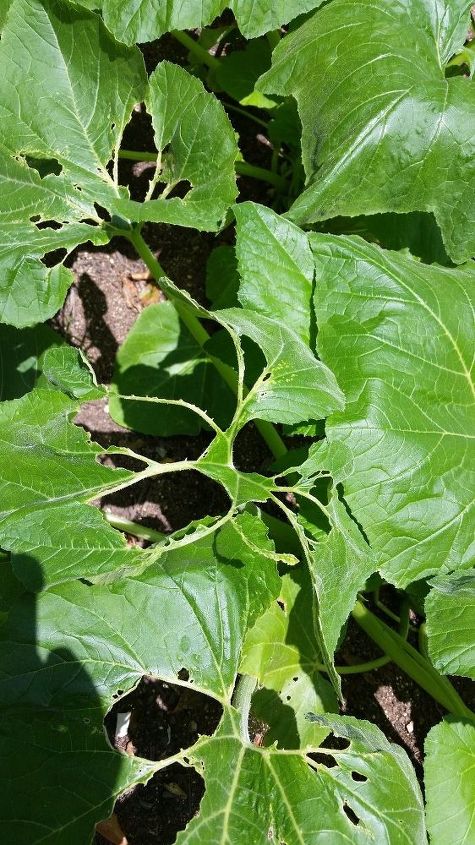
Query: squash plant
[[347, 319]]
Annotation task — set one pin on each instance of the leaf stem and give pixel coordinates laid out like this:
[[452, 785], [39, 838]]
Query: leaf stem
[[411, 661], [196, 49], [260, 173], [248, 114], [133, 528], [242, 702], [192, 323], [243, 168]]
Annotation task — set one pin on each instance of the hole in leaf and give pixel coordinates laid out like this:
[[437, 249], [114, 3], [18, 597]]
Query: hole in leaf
[[47, 224], [359, 778], [184, 675], [44, 166], [281, 604], [351, 814], [339, 743], [35, 218], [102, 212], [168, 503], [164, 719], [161, 719], [55, 257], [324, 760]]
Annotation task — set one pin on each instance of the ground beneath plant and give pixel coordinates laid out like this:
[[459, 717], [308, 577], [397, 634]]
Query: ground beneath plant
[[157, 719]]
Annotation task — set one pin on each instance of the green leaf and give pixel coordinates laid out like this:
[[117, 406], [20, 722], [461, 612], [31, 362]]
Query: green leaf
[[208, 596], [222, 279], [65, 653], [196, 145], [263, 795], [340, 557], [239, 71], [450, 611], [69, 370], [294, 386], [399, 337], [383, 129], [282, 652], [241, 487], [48, 473], [81, 776], [67, 90], [146, 20], [449, 765], [276, 266], [20, 358], [159, 357]]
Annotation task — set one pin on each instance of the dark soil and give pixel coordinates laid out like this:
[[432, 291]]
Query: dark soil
[[111, 288]]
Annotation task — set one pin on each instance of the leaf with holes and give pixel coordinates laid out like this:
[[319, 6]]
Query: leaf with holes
[[261, 795], [67, 90], [49, 473], [196, 146], [383, 128], [60, 133], [65, 653]]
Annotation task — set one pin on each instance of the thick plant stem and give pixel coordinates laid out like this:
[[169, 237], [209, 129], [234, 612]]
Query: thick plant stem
[[243, 168], [197, 330], [196, 49], [242, 702], [411, 662]]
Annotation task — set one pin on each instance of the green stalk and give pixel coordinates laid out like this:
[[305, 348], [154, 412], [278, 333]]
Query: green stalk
[[196, 49], [133, 528], [243, 168], [242, 702], [192, 323], [411, 662], [249, 114]]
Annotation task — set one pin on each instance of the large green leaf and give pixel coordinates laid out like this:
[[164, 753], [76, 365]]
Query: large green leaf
[[450, 611], [263, 795], [449, 782], [196, 145], [207, 596], [399, 337], [383, 129], [80, 774], [159, 357], [145, 20], [49, 471], [67, 90], [66, 653], [276, 267]]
